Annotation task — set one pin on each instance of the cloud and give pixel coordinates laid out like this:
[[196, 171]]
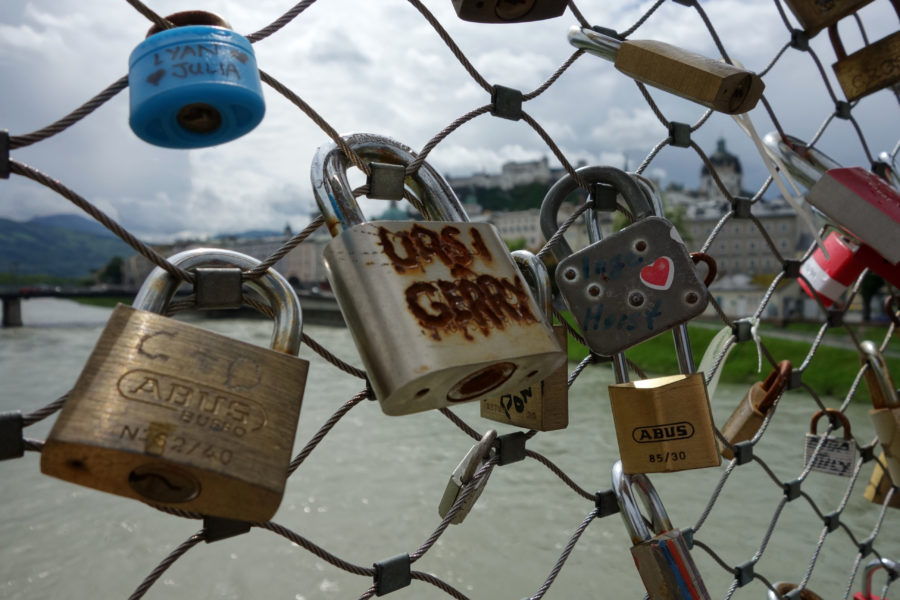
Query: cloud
[[380, 67]]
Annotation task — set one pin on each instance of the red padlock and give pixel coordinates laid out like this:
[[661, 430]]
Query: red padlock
[[875, 564], [863, 205], [830, 277]]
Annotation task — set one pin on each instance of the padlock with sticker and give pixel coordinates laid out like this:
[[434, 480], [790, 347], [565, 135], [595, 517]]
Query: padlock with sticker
[[836, 456], [869, 69], [750, 414], [631, 285], [177, 416], [543, 406], [194, 85], [475, 459], [508, 11], [709, 82], [437, 309], [876, 564], [661, 553], [885, 412]]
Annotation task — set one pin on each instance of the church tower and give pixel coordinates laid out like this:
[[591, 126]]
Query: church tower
[[728, 168]]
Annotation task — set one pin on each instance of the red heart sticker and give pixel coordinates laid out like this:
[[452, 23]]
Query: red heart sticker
[[659, 275]]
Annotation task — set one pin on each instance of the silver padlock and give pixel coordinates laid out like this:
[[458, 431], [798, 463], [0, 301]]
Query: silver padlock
[[660, 552], [437, 309], [633, 284], [837, 456], [475, 458]]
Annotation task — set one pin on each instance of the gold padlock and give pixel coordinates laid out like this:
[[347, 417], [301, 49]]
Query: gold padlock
[[886, 406], [816, 15], [177, 416], [749, 415], [543, 406], [880, 484], [875, 67], [665, 424]]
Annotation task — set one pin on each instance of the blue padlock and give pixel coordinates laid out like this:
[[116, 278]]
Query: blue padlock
[[195, 85]]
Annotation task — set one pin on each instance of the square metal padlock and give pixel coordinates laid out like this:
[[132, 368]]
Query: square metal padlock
[[837, 456], [631, 285]]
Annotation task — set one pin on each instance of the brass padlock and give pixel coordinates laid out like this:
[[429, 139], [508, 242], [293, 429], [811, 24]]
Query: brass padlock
[[816, 15], [475, 458], [874, 67], [706, 81], [661, 553], [543, 406], [437, 309], [783, 588], [749, 415], [177, 416], [885, 411], [880, 484], [665, 424], [836, 456]]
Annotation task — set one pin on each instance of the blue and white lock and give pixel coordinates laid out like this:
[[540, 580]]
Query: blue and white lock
[[195, 85]]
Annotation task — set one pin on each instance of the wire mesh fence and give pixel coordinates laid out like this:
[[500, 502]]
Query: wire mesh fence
[[743, 555]]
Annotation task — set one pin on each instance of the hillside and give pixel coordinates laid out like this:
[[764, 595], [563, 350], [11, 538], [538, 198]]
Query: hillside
[[58, 246]]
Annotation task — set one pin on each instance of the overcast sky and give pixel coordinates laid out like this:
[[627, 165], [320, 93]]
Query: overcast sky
[[377, 66]]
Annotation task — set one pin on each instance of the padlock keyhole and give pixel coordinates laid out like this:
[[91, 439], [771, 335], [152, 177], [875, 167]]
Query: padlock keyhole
[[513, 9], [199, 117], [481, 382], [163, 483]]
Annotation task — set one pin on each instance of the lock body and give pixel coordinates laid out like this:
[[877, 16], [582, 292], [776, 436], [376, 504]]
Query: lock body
[[830, 277], [439, 313], [508, 11], [887, 428], [879, 485], [870, 69], [745, 421], [474, 459], [666, 568], [863, 204], [194, 86], [664, 424], [543, 406], [837, 456], [631, 285], [178, 416], [815, 15]]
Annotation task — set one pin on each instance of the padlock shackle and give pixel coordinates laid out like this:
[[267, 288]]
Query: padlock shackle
[[536, 275], [835, 37], [594, 42], [159, 288], [334, 195], [831, 412], [781, 588], [774, 385], [624, 184], [878, 563], [805, 164], [623, 486], [191, 17], [878, 377]]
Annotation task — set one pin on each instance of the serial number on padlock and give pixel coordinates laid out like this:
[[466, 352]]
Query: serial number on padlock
[[160, 443], [659, 457]]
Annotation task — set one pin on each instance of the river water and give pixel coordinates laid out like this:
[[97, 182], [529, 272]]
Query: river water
[[371, 490]]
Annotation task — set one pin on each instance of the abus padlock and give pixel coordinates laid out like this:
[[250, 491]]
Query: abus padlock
[[660, 552], [437, 309], [665, 424], [872, 68], [706, 81], [633, 284], [543, 406], [174, 415], [893, 572], [477, 456], [816, 15], [749, 415], [836, 456], [885, 410], [508, 11], [194, 85]]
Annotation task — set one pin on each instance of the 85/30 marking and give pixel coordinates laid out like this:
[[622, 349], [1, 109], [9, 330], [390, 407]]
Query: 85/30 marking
[[177, 444], [668, 456]]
